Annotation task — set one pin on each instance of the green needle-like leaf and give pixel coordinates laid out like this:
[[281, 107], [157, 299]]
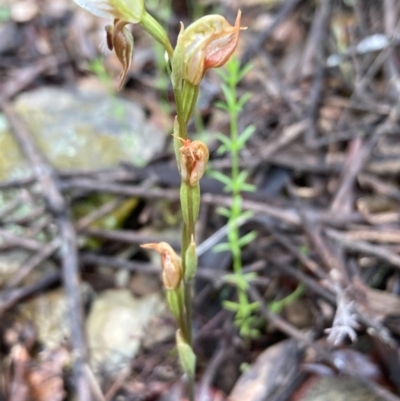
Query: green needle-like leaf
[[223, 211], [222, 106], [245, 70], [221, 177], [243, 100], [232, 306], [245, 135], [226, 246], [225, 140]]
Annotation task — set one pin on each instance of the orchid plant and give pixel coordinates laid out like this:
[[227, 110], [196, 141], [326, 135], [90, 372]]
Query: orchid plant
[[207, 43]]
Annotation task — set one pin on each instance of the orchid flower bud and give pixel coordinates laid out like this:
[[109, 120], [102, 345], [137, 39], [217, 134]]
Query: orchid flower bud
[[120, 39], [207, 43], [131, 11], [194, 158], [171, 264]]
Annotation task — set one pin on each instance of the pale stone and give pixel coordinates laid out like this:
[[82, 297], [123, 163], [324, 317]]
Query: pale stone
[[116, 326], [80, 130]]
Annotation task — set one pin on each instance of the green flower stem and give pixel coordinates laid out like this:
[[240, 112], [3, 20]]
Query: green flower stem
[[153, 28], [190, 207], [191, 389], [188, 307], [182, 320], [187, 201], [175, 299], [187, 289], [187, 233], [190, 94], [180, 114]]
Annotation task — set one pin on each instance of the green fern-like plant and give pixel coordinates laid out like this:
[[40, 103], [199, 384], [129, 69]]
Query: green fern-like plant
[[236, 183]]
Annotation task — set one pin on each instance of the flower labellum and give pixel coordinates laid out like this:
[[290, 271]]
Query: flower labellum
[[207, 43], [171, 264], [120, 39], [131, 11]]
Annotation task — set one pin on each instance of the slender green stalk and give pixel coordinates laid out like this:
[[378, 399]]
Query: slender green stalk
[[188, 306], [187, 234], [180, 114], [182, 320]]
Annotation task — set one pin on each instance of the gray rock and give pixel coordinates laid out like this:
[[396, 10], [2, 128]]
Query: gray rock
[[116, 326], [340, 389], [274, 369], [80, 130]]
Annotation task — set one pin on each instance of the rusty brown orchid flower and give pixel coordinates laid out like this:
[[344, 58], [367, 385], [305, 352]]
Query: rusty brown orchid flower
[[194, 158], [171, 264]]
